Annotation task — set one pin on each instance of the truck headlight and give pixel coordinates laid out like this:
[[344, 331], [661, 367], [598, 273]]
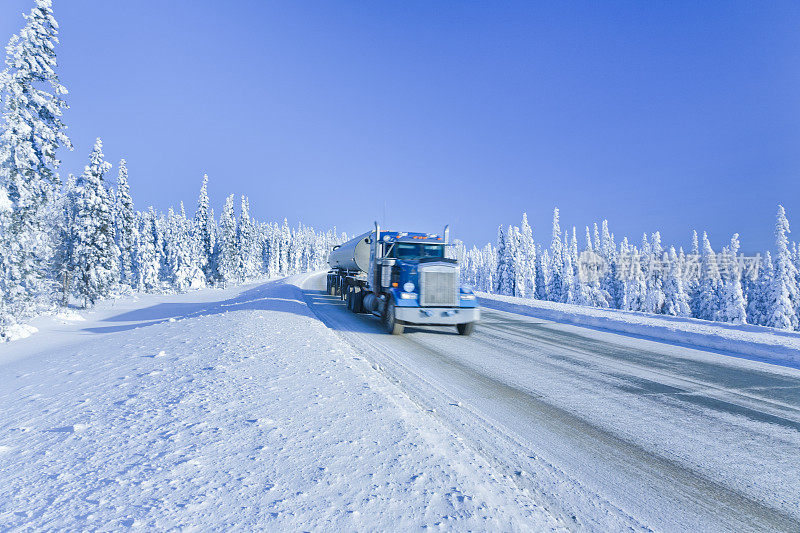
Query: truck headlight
[[467, 296], [409, 287], [408, 295]]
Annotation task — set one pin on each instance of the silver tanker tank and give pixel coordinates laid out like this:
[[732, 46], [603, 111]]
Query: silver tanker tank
[[351, 255]]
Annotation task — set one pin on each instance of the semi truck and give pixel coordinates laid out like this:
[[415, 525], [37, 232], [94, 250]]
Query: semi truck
[[403, 278]]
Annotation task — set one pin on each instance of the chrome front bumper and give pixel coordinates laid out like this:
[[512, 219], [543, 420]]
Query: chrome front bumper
[[437, 316]]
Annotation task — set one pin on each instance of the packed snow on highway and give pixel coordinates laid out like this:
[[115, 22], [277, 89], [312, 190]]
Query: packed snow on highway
[[271, 406]]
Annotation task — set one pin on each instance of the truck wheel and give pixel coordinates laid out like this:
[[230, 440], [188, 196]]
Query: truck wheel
[[328, 284], [466, 328], [390, 322]]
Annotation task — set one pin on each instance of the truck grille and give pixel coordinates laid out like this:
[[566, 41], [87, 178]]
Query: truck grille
[[439, 288]]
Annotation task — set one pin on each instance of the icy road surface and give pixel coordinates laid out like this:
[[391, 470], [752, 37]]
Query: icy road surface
[[225, 410], [608, 432]]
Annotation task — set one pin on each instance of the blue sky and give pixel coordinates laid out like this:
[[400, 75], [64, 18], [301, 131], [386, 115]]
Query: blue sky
[[655, 115]]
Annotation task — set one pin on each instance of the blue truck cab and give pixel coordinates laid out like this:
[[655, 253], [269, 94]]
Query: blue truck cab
[[408, 279]]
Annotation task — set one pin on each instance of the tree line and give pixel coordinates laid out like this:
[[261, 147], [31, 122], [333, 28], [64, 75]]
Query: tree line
[[81, 239], [721, 286]]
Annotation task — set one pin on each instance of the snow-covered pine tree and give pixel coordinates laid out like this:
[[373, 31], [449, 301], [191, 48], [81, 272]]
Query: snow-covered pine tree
[[573, 248], [284, 265], [244, 239], [734, 306], [634, 282], [758, 296], [568, 281], [228, 249], [708, 304], [676, 300], [691, 275], [95, 250], [543, 272], [6, 315], [66, 237], [504, 273], [184, 272], [204, 234], [124, 225], [527, 249], [32, 131], [516, 273], [609, 281], [783, 297], [589, 246], [556, 262], [490, 255], [146, 263], [654, 300]]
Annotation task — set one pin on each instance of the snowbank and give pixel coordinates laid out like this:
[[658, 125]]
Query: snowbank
[[754, 342], [16, 332], [227, 409]]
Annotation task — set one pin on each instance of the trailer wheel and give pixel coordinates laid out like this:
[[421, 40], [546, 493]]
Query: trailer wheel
[[358, 300], [390, 321], [332, 286], [350, 299], [466, 328]]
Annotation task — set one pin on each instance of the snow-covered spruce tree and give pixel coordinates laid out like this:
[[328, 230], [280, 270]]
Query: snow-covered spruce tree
[[527, 249], [543, 272], [204, 234], [95, 250], [6, 316], [707, 298], [124, 225], [676, 300], [66, 237], [691, 275], [733, 306], [184, 272], [32, 131], [504, 273], [654, 300], [758, 297], [517, 262], [195, 276], [285, 238], [609, 281], [573, 248], [146, 263], [556, 261], [783, 298], [489, 254], [245, 266], [228, 253], [272, 250], [634, 283], [568, 281]]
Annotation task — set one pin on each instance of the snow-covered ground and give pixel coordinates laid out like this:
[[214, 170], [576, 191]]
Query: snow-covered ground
[[270, 406], [755, 342], [609, 432], [224, 409]]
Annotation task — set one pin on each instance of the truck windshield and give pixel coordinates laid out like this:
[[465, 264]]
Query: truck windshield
[[405, 250]]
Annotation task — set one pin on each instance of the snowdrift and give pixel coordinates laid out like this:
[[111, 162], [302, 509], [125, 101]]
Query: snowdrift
[[753, 342]]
